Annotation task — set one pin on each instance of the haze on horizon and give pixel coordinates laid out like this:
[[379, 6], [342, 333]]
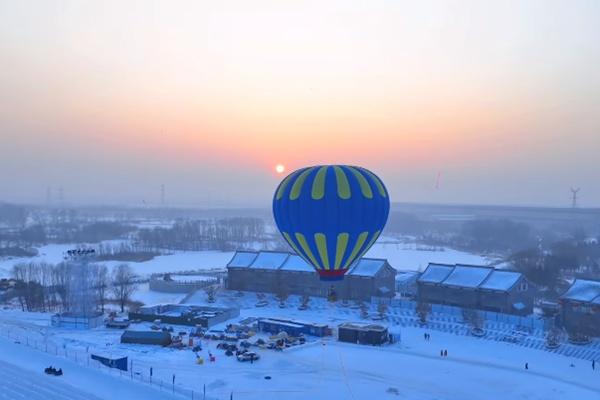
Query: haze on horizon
[[111, 99]]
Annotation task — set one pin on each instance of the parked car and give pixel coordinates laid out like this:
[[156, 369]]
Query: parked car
[[248, 356]]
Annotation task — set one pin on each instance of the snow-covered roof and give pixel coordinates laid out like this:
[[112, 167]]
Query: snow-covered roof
[[467, 276], [501, 280], [242, 259], [584, 291], [406, 277], [362, 326], [297, 263], [367, 267], [269, 260], [436, 273], [290, 324], [274, 260]]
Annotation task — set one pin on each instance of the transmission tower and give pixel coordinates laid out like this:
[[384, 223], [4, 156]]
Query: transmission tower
[[574, 197]]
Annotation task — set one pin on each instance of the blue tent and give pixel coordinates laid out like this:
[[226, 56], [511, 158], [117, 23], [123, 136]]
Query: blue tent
[[118, 363]]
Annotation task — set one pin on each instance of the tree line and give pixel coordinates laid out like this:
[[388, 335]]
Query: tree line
[[211, 234], [72, 286]]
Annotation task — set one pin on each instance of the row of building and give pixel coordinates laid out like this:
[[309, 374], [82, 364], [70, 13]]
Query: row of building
[[460, 285], [275, 272], [477, 287]]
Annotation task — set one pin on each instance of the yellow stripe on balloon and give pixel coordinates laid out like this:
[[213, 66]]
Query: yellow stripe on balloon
[[297, 186], [359, 243], [368, 246], [321, 241], [291, 242], [380, 186], [343, 187], [318, 187], [365, 188], [342, 243], [284, 184], [302, 240]]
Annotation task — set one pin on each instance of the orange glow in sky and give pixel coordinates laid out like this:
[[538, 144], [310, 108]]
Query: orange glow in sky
[[502, 97]]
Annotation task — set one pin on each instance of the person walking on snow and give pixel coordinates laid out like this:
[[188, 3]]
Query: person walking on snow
[[441, 353], [526, 365], [593, 365], [445, 353]]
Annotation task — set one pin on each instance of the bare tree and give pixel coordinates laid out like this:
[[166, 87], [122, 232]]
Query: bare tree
[[123, 284], [101, 284], [382, 309], [282, 294], [211, 293], [364, 310], [60, 282], [473, 317], [423, 309]]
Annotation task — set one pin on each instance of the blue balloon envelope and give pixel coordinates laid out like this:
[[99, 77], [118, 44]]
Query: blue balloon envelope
[[331, 215]]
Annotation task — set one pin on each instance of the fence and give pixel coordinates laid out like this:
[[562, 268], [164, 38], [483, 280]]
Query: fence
[[139, 371], [522, 331], [529, 322]]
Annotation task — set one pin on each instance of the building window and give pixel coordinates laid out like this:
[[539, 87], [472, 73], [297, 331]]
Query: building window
[[523, 286]]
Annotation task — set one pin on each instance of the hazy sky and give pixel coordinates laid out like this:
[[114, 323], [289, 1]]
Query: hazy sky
[[109, 99]]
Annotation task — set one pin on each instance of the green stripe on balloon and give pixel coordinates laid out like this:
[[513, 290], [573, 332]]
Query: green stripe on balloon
[[284, 184], [359, 243], [380, 186], [302, 240], [297, 186], [343, 187], [365, 188], [318, 187], [321, 241], [342, 243]]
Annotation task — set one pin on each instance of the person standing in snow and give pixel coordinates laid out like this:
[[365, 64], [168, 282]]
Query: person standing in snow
[[445, 353], [526, 365], [441, 353], [593, 365]]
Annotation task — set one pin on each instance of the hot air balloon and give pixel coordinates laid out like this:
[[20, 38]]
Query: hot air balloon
[[331, 215]]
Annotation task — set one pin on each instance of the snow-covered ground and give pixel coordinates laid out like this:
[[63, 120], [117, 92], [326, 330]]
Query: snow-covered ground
[[150, 297], [402, 256], [325, 369], [22, 377], [415, 257]]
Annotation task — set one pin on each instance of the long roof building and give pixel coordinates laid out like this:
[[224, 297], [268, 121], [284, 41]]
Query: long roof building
[[476, 286], [269, 271]]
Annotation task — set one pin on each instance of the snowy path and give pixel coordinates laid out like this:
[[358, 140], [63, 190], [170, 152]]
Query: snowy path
[[17, 383]]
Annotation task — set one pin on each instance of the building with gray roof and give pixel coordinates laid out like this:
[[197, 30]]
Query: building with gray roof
[[475, 286], [580, 308], [275, 272]]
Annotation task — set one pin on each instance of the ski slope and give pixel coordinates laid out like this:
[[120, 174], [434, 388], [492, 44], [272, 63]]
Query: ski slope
[[17, 383], [22, 377]]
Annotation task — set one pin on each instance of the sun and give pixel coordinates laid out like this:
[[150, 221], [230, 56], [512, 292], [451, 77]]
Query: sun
[[280, 168]]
